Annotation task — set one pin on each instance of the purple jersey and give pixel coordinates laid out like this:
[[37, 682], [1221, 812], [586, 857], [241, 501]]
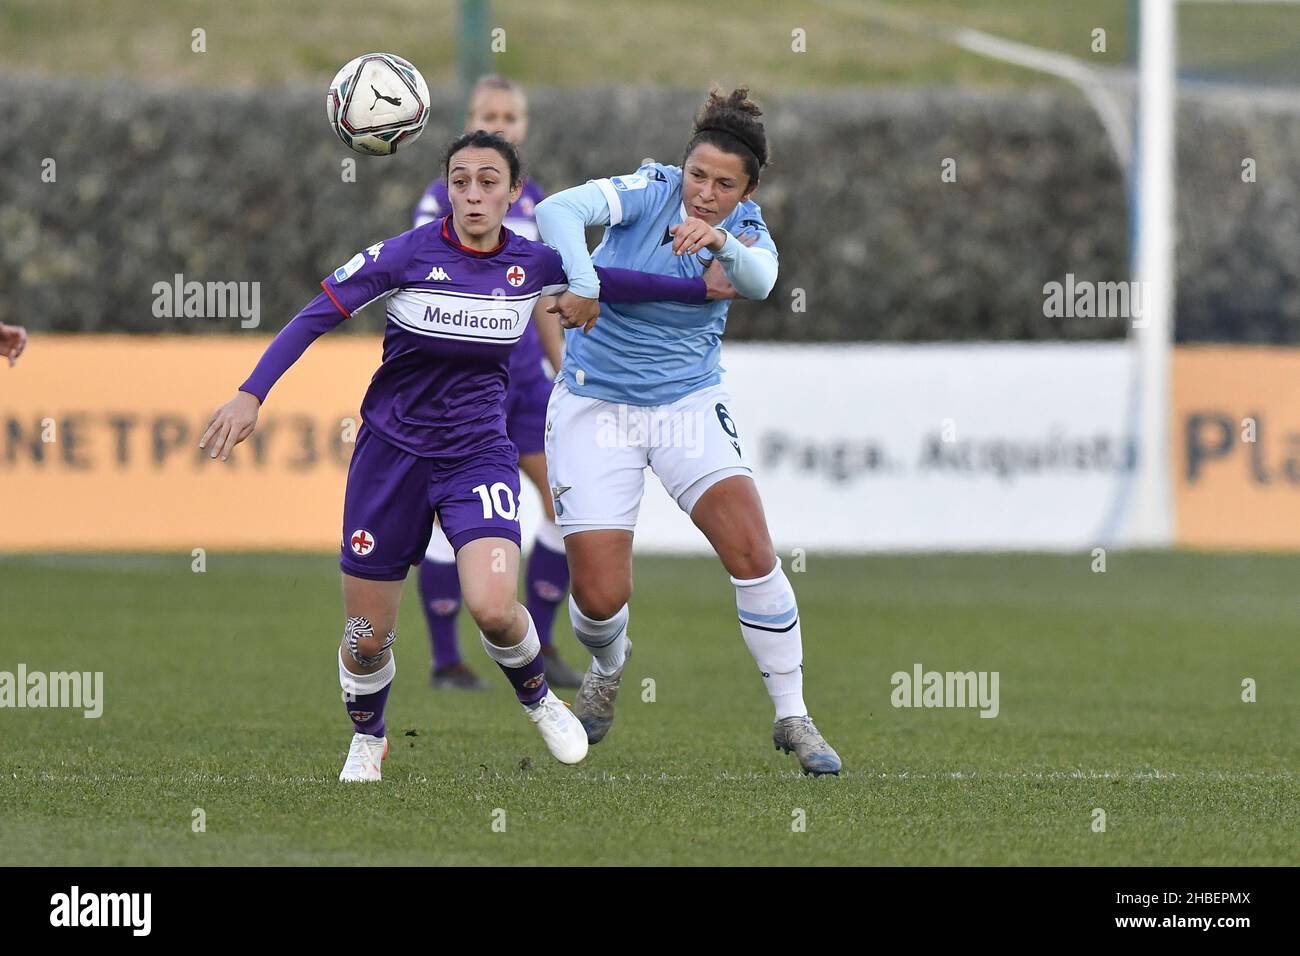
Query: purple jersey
[[526, 359], [453, 316]]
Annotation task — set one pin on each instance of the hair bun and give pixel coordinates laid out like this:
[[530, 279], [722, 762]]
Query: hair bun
[[736, 115]]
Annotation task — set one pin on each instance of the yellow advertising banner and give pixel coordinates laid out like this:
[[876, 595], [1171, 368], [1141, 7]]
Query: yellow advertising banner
[[99, 445], [99, 448], [1236, 447]]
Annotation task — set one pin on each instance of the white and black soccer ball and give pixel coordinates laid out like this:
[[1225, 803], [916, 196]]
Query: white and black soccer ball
[[378, 102]]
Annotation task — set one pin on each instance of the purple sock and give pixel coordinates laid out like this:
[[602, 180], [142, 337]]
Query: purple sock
[[440, 598], [528, 681], [522, 664], [548, 579], [367, 711]]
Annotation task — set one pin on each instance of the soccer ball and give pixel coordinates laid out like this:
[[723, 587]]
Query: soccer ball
[[377, 102]]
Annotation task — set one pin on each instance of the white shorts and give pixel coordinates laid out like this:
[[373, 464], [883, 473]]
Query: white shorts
[[597, 453]]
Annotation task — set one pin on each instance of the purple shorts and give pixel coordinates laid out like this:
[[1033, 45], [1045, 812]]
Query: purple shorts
[[392, 497], [526, 400]]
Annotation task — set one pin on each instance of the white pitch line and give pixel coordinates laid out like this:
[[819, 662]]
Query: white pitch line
[[973, 776]]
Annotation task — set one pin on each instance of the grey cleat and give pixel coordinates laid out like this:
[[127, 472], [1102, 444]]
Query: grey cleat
[[456, 677], [594, 702], [799, 735], [558, 673]]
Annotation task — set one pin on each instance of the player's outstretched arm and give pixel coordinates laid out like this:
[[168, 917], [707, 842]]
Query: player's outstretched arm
[[234, 421], [629, 285]]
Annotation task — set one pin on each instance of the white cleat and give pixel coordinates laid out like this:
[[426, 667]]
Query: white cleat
[[564, 735], [364, 757]]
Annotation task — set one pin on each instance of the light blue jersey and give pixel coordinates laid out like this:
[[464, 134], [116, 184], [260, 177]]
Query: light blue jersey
[[657, 352]]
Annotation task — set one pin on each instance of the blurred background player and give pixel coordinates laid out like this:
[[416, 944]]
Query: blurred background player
[[498, 105]]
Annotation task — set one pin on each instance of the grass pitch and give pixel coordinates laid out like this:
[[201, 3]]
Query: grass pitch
[[575, 43], [571, 43], [1118, 690]]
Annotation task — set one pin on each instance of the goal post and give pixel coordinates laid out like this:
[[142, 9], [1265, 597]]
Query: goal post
[[1151, 512]]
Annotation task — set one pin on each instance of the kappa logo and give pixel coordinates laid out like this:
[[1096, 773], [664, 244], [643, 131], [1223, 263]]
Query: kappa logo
[[515, 275], [437, 274], [374, 251], [362, 541]]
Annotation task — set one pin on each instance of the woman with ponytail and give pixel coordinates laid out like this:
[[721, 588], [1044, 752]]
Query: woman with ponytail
[[656, 367]]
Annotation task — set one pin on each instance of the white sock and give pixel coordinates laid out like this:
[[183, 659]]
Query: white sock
[[607, 640], [439, 548], [358, 684], [523, 653], [769, 623], [550, 537]]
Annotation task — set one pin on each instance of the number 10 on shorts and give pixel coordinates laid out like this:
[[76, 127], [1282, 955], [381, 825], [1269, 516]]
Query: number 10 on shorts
[[499, 497]]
